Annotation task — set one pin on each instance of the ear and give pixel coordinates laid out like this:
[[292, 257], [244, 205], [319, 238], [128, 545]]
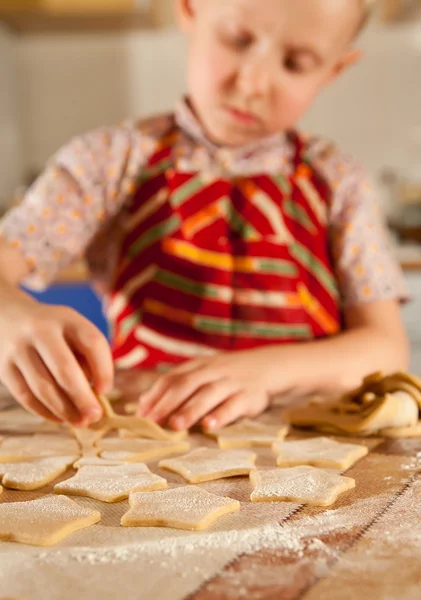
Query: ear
[[348, 60], [185, 11]]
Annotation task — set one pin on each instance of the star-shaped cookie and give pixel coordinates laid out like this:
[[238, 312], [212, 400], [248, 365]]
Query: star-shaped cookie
[[304, 485], [185, 507], [206, 464], [318, 452]]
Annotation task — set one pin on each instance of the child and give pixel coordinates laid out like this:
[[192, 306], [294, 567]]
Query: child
[[238, 255]]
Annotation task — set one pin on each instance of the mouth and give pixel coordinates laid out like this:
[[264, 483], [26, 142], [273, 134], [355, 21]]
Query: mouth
[[241, 116]]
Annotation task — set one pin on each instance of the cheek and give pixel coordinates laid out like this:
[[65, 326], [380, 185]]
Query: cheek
[[295, 99], [209, 70]]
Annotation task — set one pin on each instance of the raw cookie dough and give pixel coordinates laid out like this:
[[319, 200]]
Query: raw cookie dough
[[19, 448], [45, 521], [137, 425], [110, 483], [206, 464], [141, 450], [185, 507], [318, 452], [249, 434], [34, 474], [304, 485]]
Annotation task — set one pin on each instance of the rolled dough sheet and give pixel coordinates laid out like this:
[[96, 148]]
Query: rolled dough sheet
[[394, 410], [185, 507], [249, 434], [318, 452], [35, 474], [110, 483], [143, 449], [207, 464], [45, 521], [304, 485], [21, 448]]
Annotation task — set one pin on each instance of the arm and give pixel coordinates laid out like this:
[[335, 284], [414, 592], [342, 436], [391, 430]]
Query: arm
[[374, 340], [50, 357], [221, 389]]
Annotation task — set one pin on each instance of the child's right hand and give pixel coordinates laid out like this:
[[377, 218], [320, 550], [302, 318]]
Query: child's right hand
[[51, 360]]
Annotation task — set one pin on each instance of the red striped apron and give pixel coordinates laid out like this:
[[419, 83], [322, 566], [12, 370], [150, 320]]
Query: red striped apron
[[214, 264]]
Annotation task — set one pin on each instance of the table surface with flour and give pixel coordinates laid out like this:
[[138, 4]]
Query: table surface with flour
[[365, 545]]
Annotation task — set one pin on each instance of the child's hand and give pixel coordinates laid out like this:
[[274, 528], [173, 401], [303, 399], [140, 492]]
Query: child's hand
[[216, 391], [49, 359]]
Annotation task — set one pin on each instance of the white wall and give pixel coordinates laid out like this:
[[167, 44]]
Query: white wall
[[73, 83], [375, 108], [10, 130]]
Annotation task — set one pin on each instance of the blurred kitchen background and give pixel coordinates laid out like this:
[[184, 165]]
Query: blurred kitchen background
[[67, 66]]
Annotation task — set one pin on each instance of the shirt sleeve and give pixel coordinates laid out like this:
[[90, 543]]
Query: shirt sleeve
[[366, 268], [83, 187]]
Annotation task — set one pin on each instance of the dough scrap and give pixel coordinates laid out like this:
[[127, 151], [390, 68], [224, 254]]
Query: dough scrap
[[87, 438], [185, 507], [141, 427], [398, 409], [144, 449], [304, 485], [19, 448], [174, 436], [34, 474], [318, 452], [249, 434], [110, 483], [45, 521], [207, 464]]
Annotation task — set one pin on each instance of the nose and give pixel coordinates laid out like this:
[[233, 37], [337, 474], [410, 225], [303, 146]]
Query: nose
[[256, 77]]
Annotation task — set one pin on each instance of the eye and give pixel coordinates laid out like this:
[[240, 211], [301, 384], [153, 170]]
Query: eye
[[291, 64], [299, 62], [237, 40]]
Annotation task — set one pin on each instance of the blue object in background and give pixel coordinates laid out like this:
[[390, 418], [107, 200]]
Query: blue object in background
[[80, 297]]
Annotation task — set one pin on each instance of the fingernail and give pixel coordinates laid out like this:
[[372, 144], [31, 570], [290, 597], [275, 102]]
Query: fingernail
[[210, 423], [95, 413], [178, 423]]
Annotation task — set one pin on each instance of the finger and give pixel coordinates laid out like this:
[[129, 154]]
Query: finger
[[228, 412], [87, 340], [17, 386], [202, 402], [70, 376], [177, 382], [44, 388]]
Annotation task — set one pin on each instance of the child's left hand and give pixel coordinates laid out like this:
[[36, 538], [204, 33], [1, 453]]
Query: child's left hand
[[216, 390]]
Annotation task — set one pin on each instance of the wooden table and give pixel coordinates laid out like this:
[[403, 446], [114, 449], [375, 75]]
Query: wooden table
[[365, 546]]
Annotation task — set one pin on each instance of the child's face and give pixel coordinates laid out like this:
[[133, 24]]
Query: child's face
[[255, 66]]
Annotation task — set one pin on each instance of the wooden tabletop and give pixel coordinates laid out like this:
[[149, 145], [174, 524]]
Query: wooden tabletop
[[367, 545]]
